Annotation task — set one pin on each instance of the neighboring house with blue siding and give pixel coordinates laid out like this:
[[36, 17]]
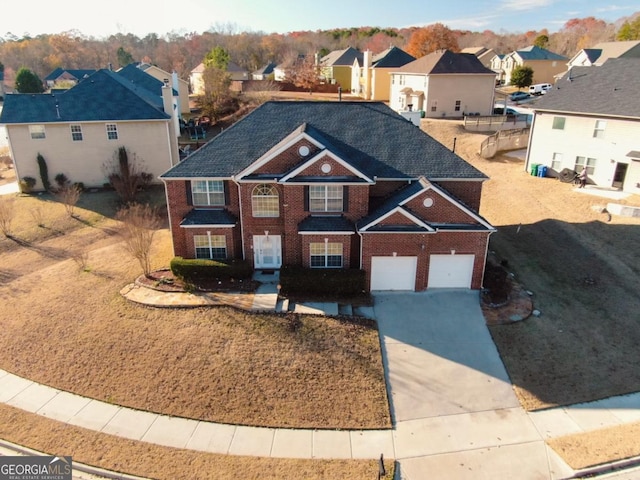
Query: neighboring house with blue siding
[[79, 130]]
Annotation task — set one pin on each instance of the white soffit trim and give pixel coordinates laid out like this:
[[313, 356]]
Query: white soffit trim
[[402, 211]]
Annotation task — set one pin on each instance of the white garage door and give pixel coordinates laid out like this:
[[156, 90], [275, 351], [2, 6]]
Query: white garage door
[[450, 271], [393, 273]]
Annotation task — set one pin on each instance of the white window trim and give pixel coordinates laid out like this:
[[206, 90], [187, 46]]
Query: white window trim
[[37, 132], [325, 255], [210, 240], [111, 131], [78, 132], [209, 193], [325, 198], [599, 129], [258, 209]]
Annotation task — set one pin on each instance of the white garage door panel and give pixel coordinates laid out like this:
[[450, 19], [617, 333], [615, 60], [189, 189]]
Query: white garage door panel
[[393, 273], [450, 271]]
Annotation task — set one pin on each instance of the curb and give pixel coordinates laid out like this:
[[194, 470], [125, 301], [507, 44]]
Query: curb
[[606, 468]]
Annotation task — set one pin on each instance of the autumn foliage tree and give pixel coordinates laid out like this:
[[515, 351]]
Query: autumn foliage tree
[[431, 38]]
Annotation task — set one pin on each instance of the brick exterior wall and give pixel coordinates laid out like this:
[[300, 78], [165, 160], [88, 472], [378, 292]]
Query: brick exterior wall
[[442, 210], [288, 159], [345, 240], [411, 245], [337, 169], [295, 247], [469, 192]]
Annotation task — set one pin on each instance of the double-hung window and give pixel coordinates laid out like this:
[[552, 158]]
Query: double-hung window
[[556, 162], [37, 132], [326, 198], [558, 123], [208, 193], [265, 201], [325, 255], [112, 131], [588, 162], [210, 246], [598, 131], [76, 133]]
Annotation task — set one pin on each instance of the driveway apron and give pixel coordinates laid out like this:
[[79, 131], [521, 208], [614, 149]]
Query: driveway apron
[[455, 413], [440, 358]]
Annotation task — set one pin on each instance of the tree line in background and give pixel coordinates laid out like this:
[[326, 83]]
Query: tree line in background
[[251, 50]]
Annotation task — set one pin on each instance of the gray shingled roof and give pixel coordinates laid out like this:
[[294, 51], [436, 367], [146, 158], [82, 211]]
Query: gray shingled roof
[[326, 223], [77, 73], [103, 96], [392, 57], [370, 136], [344, 57], [446, 62], [208, 217], [612, 89]]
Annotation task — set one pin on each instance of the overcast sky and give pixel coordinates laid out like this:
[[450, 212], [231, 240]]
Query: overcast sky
[[140, 17]]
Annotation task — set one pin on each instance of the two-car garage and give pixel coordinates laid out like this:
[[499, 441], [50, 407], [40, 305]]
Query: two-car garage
[[399, 272]]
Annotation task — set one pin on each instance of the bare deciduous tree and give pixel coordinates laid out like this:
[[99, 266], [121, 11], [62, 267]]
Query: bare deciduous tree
[[6, 215], [69, 195], [125, 175], [139, 225]]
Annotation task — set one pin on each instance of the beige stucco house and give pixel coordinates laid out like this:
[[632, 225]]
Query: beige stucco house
[[236, 72], [574, 127], [546, 65], [484, 54], [443, 84], [78, 131], [372, 73]]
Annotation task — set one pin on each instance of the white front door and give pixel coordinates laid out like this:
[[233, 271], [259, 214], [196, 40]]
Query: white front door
[[267, 251]]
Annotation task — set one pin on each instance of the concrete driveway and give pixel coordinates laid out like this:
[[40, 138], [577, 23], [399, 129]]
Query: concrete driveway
[[454, 410]]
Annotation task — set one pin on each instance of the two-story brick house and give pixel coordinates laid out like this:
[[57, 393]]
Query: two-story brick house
[[332, 185]]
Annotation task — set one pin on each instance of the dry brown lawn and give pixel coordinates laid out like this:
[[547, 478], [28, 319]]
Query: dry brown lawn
[[583, 269], [64, 324], [153, 461]]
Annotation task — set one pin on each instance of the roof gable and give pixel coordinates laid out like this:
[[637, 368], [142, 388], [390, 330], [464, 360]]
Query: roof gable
[[339, 58], [373, 138], [76, 74], [336, 168]]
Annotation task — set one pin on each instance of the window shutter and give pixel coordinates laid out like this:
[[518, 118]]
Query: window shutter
[[187, 185], [225, 189], [306, 198], [345, 198]]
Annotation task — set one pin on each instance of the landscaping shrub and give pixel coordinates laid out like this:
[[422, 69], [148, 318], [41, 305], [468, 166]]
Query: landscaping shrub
[[496, 284], [27, 184], [44, 172], [202, 270], [320, 281]]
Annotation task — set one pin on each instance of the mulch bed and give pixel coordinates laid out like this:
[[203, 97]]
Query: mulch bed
[[518, 307], [165, 281]]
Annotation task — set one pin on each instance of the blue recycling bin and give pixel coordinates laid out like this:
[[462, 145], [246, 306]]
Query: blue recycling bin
[[542, 171]]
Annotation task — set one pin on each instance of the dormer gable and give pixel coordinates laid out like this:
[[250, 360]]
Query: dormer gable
[[326, 166], [422, 206], [285, 155]]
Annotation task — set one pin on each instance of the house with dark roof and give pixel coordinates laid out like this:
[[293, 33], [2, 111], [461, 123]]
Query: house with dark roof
[[371, 75], [591, 119], [180, 86], [79, 130], [603, 51], [1, 84], [544, 63], [264, 73], [443, 84], [335, 67], [484, 54], [66, 77], [237, 74], [332, 185]]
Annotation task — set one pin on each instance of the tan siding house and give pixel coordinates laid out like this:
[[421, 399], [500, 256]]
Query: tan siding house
[[79, 131]]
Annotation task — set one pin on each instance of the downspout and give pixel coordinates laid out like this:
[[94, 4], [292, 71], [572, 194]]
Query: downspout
[[233, 179], [526, 162], [361, 246]]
